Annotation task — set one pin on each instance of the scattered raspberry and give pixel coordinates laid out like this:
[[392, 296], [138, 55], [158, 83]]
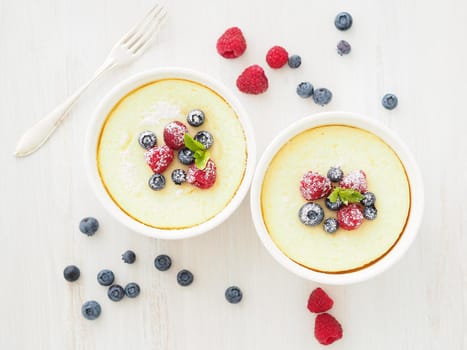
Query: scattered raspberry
[[202, 178], [173, 134], [277, 57], [159, 158], [350, 217], [314, 186], [327, 329], [319, 301], [253, 80], [231, 44], [356, 180]]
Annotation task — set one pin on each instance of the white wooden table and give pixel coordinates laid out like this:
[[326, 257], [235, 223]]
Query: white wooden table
[[48, 47]]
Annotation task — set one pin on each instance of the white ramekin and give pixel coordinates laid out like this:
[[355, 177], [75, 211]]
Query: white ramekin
[[95, 127], [416, 189]]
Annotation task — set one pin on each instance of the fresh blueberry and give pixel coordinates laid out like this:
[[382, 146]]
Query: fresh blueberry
[[178, 176], [390, 101], [322, 96], [335, 174], [129, 257], [205, 138], [147, 139], [311, 214], [89, 226], [116, 292], [343, 48], [294, 61], [195, 117], [186, 156], [105, 277], [305, 89], [330, 225], [343, 21], [71, 273], [156, 182], [162, 262], [369, 199], [370, 213], [132, 290], [333, 206], [185, 278], [233, 295], [91, 310]]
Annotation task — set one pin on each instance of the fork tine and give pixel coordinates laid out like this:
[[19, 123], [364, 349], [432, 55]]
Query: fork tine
[[138, 26], [145, 28], [145, 40]]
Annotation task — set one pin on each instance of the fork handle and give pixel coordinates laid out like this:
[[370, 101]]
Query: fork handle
[[38, 134]]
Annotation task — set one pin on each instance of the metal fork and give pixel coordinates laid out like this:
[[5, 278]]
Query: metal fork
[[128, 48]]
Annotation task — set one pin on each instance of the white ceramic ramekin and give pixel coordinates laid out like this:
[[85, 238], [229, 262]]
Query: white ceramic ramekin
[[416, 188], [95, 127]]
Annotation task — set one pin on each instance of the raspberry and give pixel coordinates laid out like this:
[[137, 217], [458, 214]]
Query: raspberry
[[253, 80], [314, 186], [231, 44], [319, 301], [173, 134], [277, 57], [204, 178], [327, 329], [159, 158], [350, 217], [355, 180]]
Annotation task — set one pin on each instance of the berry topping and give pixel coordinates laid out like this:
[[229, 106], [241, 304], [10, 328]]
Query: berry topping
[[162, 262], [231, 44], [314, 186], [71, 273], [147, 139], [205, 138], [343, 21], [156, 182], [89, 226], [129, 257], [186, 156], [335, 174], [350, 217], [195, 117], [334, 206], [389, 101], [304, 89], [252, 80], [202, 178], [294, 61], [327, 329], [355, 180], [159, 158], [311, 214], [233, 295], [370, 212], [185, 278], [322, 96], [330, 225], [132, 290], [116, 292], [343, 48], [173, 134], [369, 199], [277, 57], [91, 310], [319, 301], [178, 176], [105, 277]]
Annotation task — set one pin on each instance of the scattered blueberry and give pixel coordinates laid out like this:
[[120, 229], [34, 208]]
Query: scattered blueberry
[[147, 139], [185, 278], [369, 199], [91, 310], [330, 225], [89, 226], [195, 117], [343, 48], [370, 213], [333, 206], [294, 61], [205, 138], [322, 96], [305, 89], [157, 182], [186, 156], [162, 262], [116, 292], [335, 174], [71, 273], [132, 290], [129, 257], [390, 101], [343, 21], [311, 214], [178, 176], [233, 295], [105, 277]]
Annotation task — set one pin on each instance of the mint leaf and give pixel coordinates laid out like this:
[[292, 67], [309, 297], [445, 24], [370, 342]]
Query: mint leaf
[[334, 195], [200, 154], [192, 144], [201, 162], [346, 195]]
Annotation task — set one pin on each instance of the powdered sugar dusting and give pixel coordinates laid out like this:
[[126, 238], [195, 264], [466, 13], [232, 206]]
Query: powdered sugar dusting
[[159, 111], [355, 180], [314, 186], [127, 171]]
